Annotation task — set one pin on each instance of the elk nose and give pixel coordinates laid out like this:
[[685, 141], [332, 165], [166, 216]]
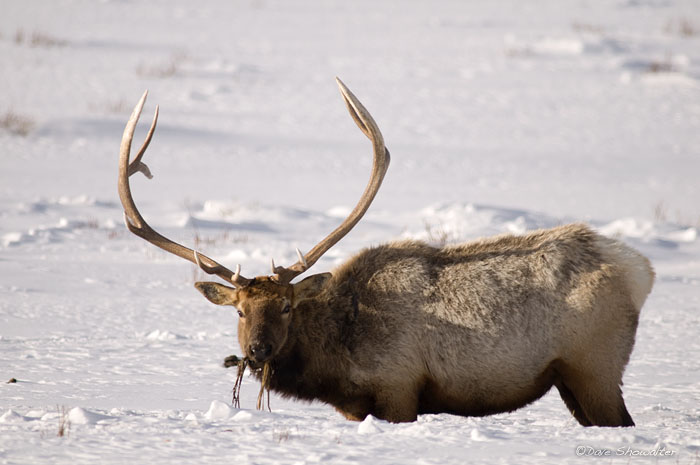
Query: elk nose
[[260, 352]]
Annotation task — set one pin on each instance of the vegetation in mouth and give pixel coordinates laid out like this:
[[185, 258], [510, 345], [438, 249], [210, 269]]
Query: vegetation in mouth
[[242, 364]]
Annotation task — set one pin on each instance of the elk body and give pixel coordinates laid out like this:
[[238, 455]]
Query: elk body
[[405, 328]]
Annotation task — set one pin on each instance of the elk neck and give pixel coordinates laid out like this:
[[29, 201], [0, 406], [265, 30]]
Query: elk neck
[[317, 354]]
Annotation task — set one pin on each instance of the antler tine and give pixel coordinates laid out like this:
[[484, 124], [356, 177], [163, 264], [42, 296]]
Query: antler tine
[[302, 260], [369, 127], [133, 219], [218, 270], [137, 164]]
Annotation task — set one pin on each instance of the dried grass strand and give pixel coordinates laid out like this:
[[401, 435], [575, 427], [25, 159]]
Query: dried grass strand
[[264, 386], [242, 364]]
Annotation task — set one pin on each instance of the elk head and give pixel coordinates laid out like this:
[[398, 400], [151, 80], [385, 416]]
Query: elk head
[[265, 304]]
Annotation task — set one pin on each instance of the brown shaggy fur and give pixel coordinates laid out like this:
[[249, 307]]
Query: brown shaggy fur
[[472, 329]]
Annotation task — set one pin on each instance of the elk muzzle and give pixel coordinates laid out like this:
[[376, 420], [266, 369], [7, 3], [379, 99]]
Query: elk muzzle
[[260, 352]]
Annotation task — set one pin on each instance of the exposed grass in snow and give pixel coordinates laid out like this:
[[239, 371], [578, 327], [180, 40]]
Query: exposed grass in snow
[[683, 27], [16, 123], [38, 39], [162, 69]]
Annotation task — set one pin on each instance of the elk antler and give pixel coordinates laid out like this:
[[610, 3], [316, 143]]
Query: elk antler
[[137, 225], [366, 123], [133, 219]]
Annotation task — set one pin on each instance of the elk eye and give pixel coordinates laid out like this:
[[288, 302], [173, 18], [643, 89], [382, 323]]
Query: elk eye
[[286, 309], [240, 314]]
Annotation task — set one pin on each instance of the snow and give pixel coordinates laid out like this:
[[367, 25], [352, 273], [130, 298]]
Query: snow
[[501, 117], [219, 411], [371, 425], [80, 416]]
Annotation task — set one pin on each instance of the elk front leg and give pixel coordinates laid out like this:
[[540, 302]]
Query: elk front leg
[[397, 405]]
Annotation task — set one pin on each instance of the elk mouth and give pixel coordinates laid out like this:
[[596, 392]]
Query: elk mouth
[[236, 361], [256, 365]]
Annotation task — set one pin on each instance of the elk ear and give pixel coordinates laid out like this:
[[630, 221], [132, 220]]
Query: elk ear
[[310, 287], [218, 293]]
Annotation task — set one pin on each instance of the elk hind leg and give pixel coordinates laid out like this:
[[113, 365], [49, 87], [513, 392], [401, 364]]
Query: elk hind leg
[[572, 404], [598, 400]]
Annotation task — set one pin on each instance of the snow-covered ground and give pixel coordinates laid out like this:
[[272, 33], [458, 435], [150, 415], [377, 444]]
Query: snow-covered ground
[[501, 116]]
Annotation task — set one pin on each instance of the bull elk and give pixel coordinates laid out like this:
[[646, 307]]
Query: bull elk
[[405, 328]]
